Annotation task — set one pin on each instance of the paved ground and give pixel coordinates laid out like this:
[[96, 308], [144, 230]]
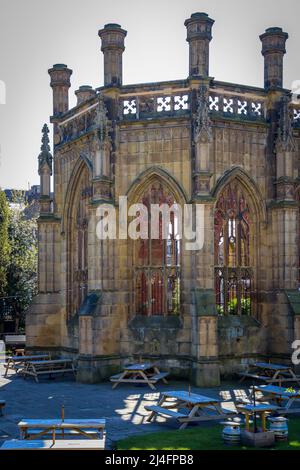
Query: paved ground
[[123, 407]]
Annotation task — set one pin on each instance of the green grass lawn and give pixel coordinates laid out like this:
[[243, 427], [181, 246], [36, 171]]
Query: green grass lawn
[[200, 438]]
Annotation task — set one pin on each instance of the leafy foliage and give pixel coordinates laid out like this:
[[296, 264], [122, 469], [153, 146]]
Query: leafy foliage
[[201, 438], [246, 306], [21, 268], [232, 307], [4, 242]]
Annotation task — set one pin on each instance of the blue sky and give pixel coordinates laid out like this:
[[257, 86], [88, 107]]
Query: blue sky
[[34, 34]]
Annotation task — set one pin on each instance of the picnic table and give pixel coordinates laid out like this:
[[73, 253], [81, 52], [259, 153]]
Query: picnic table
[[145, 373], [188, 407], [48, 367], [17, 363], [284, 399], [35, 428], [259, 409], [270, 373], [67, 444]]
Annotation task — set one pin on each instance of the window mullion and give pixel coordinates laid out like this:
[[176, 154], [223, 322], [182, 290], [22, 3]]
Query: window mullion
[[149, 291], [149, 271], [239, 290], [226, 288], [238, 244]]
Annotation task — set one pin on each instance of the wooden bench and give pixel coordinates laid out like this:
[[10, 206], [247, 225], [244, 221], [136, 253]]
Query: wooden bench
[[79, 444], [64, 444], [225, 411], [165, 411], [248, 375], [2, 405], [36, 433], [156, 377], [152, 378], [115, 378], [16, 367], [16, 444], [242, 401], [284, 377]]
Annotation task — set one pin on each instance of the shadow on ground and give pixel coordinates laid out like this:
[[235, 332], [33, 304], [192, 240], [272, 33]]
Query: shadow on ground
[[123, 408]]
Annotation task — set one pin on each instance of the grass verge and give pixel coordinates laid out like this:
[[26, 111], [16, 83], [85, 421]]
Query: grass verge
[[200, 438]]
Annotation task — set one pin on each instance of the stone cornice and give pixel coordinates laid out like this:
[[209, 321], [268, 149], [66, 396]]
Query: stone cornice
[[282, 205]]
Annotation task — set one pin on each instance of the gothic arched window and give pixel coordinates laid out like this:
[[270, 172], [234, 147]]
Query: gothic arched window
[[233, 272], [78, 235], [157, 261]]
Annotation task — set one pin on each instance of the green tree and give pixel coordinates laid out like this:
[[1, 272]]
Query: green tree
[[22, 269], [4, 242]]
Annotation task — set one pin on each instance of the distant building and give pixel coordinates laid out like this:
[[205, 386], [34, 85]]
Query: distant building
[[33, 192], [31, 196], [15, 195]]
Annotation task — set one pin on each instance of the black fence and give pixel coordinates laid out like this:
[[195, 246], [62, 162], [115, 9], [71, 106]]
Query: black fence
[[8, 315]]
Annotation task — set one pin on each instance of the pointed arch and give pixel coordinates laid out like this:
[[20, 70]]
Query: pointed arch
[[156, 173], [248, 184], [156, 262], [76, 173], [239, 210], [297, 188], [75, 222]]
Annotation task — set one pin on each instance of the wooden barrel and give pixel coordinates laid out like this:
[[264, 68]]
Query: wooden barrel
[[279, 427]]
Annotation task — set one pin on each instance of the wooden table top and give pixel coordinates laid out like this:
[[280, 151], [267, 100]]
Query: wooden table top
[[28, 358], [192, 398], [143, 366], [52, 361], [39, 422], [44, 423], [257, 408]]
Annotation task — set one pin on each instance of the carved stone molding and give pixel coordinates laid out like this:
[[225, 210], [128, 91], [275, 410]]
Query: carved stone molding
[[202, 125], [285, 140]]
